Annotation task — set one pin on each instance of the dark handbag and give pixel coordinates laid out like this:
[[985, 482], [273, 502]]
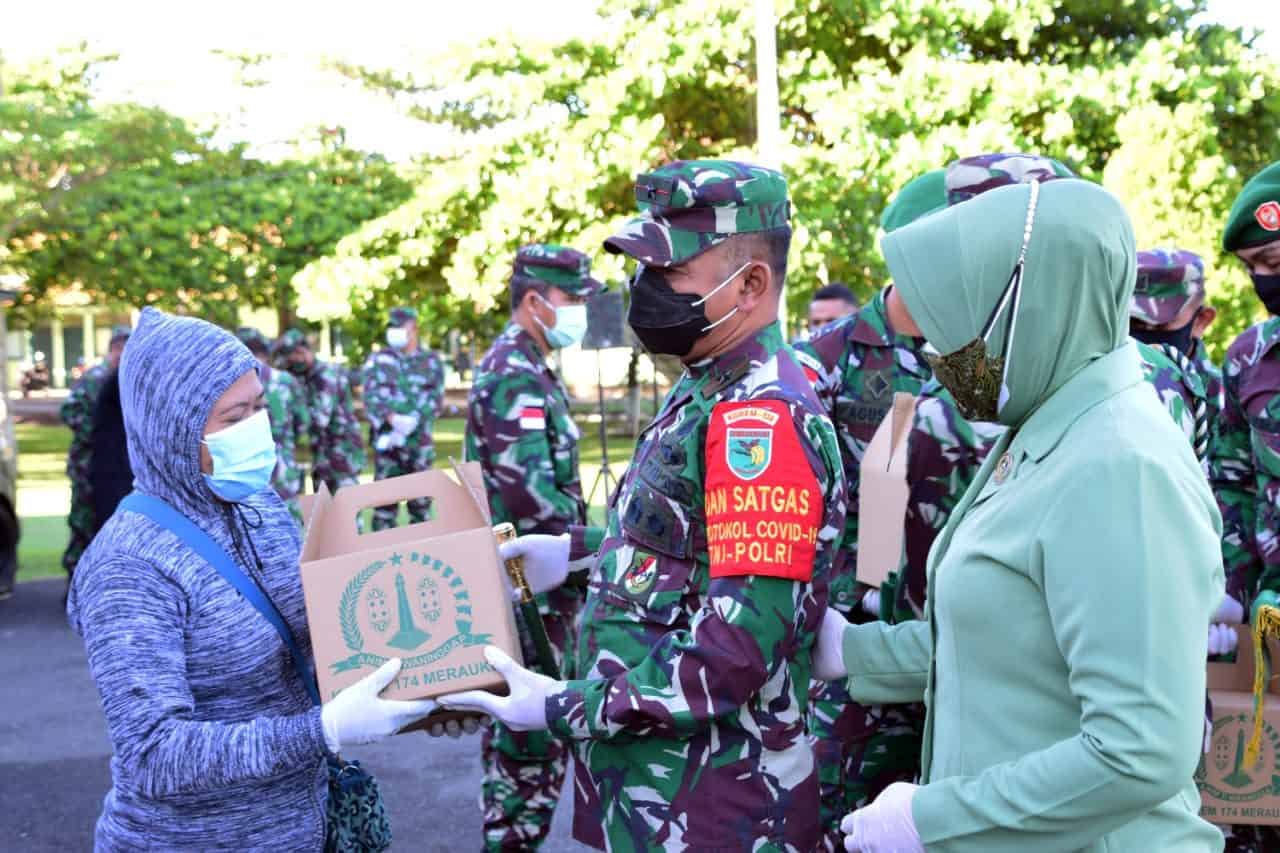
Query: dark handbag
[[356, 819]]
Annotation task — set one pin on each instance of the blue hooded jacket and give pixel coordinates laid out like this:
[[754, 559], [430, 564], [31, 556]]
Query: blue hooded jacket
[[217, 745]]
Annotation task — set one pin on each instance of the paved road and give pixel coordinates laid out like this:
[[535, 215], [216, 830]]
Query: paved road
[[54, 750]]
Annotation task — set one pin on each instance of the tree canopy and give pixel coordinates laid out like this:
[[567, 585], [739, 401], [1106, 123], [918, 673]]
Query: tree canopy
[[1169, 112]]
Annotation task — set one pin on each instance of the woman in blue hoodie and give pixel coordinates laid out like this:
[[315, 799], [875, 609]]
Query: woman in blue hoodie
[[218, 745]]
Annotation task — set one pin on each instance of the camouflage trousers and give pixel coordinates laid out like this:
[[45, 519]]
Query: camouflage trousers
[[397, 463], [80, 522], [860, 750], [1251, 839], [524, 772], [334, 480]]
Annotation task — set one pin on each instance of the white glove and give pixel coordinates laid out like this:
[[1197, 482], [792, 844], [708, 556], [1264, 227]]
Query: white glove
[[546, 560], [402, 425], [1223, 639], [1229, 611], [828, 652], [871, 602], [885, 826], [524, 709], [357, 715]]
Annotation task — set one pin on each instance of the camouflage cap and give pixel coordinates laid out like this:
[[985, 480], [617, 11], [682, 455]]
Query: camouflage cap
[[543, 264], [918, 197], [1255, 214], [1167, 280], [400, 316], [119, 333], [691, 205], [973, 176], [253, 339], [289, 341]]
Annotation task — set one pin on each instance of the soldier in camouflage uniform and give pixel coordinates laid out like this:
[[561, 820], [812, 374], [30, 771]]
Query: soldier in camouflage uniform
[[693, 657], [337, 448], [520, 430], [403, 396], [1245, 455], [287, 408], [77, 413], [1167, 301]]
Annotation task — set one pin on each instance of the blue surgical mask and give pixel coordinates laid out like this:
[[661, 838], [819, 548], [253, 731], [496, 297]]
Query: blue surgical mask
[[244, 457], [397, 338], [570, 327]]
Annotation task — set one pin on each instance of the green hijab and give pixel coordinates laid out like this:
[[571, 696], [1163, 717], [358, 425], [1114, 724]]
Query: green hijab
[[952, 267]]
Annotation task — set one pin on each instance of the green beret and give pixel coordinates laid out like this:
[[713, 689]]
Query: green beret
[[1255, 215], [918, 197]]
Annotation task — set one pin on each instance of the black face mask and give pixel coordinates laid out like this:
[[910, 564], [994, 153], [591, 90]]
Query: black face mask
[[1268, 289], [1179, 339], [666, 322]]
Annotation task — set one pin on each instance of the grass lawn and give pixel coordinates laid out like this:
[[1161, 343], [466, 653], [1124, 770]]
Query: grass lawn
[[44, 493]]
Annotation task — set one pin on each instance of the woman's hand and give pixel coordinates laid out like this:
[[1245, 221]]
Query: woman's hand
[[454, 729], [358, 715], [523, 709], [885, 826], [545, 558], [828, 652]]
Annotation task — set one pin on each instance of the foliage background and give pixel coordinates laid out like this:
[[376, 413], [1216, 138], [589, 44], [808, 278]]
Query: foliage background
[[1169, 111]]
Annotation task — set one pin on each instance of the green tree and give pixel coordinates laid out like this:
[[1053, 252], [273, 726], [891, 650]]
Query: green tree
[[1169, 112]]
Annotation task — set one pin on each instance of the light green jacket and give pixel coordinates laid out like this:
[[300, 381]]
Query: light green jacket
[[1063, 654]]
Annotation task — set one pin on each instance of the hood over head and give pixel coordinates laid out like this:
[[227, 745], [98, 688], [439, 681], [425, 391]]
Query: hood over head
[[952, 267], [172, 373]]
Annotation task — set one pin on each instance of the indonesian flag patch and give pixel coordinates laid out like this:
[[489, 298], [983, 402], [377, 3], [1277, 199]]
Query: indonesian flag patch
[[1268, 215], [533, 417], [763, 501]]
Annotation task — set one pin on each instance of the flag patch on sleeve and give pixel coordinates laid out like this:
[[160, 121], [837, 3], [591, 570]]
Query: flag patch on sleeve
[[533, 417]]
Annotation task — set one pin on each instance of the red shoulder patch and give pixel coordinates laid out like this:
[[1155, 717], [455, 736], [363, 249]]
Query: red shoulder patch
[[763, 502]]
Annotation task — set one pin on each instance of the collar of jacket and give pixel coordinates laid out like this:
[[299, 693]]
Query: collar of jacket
[[729, 365], [1095, 383]]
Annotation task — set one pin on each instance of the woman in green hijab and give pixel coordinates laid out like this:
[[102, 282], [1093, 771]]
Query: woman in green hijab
[[1062, 655]]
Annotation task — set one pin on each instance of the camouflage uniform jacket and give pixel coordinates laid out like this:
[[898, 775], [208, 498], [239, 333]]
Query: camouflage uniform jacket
[[1182, 390], [290, 420], [701, 615], [944, 453], [857, 364], [337, 446], [520, 430], [1245, 462], [77, 413], [400, 383]]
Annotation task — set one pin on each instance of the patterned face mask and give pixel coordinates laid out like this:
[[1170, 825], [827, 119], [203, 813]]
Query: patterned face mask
[[976, 379]]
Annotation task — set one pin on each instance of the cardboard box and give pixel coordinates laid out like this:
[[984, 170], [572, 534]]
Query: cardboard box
[[882, 494], [1230, 791], [434, 594]]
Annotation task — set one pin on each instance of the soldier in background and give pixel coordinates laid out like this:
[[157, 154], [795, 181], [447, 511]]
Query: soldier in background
[[287, 409], [403, 396], [693, 653], [828, 304], [337, 447], [1244, 463], [77, 413], [520, 430], [1168, 300]]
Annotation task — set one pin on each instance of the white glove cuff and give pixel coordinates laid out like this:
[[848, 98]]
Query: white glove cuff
[[330, 727]]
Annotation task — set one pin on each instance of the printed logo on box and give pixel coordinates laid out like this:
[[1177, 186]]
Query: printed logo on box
[[1234, 782], [402, 605]]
